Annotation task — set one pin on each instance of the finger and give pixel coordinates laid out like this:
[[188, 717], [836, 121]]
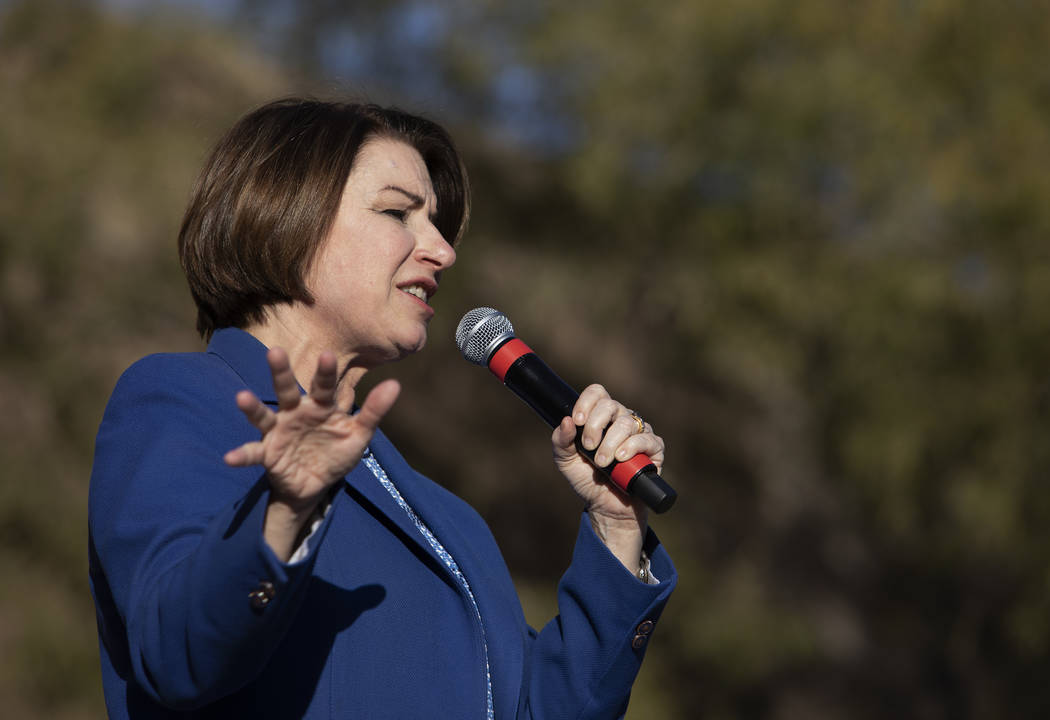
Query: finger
[[586, 402], [247, 454], [322, 388], [623, 428], [378, 403], [646, 443], [601, 415], [257, 413], [284, 384]]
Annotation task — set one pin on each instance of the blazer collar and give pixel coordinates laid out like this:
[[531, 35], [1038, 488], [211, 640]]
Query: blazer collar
[[247, 356]]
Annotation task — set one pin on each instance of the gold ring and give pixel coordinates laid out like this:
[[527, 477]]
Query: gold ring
[[641, 423]]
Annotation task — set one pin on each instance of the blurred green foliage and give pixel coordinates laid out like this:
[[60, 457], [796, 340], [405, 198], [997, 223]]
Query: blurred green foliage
[[806, 240]]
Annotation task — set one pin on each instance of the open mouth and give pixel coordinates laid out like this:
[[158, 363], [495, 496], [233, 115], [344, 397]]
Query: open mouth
[[416, 290]]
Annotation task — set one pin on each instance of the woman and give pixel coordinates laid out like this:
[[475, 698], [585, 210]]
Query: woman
[[257, 550]]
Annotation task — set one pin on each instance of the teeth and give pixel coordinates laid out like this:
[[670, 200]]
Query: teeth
[[416, 290]]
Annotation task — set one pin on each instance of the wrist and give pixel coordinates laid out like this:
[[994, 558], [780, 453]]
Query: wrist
[[630, 524], [285, 525], [291, 510], [624, 537]]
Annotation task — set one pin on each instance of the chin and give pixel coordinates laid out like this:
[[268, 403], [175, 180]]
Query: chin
[[411, 346]]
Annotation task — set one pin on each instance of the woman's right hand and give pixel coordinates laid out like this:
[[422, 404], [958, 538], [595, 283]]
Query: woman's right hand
[[308, 444]]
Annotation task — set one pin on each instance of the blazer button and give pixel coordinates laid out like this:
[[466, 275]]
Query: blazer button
[[641, 634], [261, 596]]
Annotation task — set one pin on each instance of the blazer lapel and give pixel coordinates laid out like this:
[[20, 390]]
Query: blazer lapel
[[419, 496], [497, 599], [365, 483]]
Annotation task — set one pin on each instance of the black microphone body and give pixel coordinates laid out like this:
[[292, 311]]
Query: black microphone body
[[531, 379], [534, 382]]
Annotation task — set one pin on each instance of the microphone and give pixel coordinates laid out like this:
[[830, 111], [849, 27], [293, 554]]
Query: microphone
[[486, 337]]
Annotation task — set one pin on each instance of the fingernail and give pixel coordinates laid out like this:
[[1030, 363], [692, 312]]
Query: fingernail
[[602, 459], [621, 454], [579, 418]]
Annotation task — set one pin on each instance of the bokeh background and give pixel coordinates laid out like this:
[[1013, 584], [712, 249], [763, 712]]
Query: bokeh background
[[806, 239]]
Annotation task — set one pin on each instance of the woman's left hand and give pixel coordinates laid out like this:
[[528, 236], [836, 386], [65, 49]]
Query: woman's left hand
[[597, 412]]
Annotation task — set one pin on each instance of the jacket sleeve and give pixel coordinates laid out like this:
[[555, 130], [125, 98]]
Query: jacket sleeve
[[191, 600], [584, 662]]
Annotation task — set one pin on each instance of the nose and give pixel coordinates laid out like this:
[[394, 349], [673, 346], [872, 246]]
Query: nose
[[434, 249]]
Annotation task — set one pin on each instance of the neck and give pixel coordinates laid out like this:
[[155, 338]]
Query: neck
[[285, 329]]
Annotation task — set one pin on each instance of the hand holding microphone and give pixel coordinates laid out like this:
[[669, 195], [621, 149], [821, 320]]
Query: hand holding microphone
[[486, 337]]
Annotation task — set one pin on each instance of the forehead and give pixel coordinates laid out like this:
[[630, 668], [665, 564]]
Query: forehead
[[383, 162]]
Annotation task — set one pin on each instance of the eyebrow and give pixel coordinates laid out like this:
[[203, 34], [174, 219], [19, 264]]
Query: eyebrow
[[410, 195]]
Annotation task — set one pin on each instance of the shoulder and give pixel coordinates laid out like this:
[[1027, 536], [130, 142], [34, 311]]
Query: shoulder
[[455, 512], [187, 392], [189, 369], [165, 377], [464, 510], [444, 509], [168, 407]]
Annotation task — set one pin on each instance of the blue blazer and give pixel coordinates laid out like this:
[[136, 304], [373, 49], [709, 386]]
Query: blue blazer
[[197, 618]]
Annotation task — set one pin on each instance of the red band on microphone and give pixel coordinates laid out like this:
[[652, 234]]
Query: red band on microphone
[[624, 472], [503, 358]]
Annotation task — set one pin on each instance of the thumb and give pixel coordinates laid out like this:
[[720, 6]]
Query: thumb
[[378, 403], [564, 439]]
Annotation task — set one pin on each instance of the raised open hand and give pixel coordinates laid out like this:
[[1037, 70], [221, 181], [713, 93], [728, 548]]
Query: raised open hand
[[310, 442]]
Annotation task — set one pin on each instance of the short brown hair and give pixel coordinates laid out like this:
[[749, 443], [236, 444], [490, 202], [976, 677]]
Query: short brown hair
[[270, 190]]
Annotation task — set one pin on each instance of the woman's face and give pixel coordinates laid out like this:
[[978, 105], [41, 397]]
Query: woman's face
[[381, 262]]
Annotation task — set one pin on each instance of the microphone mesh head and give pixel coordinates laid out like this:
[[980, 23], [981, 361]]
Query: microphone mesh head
[[480, 331]]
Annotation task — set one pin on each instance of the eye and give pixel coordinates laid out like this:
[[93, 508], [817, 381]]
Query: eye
[[399, 215]]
